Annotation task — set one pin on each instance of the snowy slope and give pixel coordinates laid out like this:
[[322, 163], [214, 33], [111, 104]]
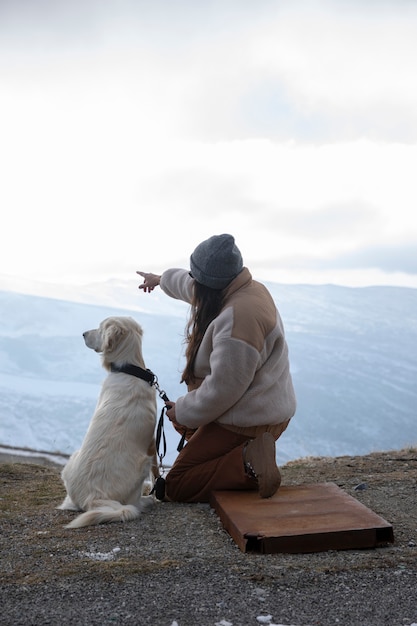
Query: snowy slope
[[353, 358]]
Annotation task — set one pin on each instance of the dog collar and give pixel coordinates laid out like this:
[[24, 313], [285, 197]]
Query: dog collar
[[134, 370]]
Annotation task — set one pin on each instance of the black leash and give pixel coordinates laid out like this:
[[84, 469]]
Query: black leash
[[151, 378]]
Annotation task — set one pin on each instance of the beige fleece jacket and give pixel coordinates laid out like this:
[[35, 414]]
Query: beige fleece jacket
[[242, 360]]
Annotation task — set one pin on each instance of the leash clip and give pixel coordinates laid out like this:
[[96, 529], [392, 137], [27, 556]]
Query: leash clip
[[160, 391]]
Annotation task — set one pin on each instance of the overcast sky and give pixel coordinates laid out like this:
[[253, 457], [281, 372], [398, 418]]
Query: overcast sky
[[132, 130]]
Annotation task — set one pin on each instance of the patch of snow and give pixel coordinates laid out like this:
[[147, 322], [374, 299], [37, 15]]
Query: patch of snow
[[101, 556]]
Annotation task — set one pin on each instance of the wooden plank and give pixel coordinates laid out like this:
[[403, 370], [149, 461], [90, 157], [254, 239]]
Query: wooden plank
[[301, 518]]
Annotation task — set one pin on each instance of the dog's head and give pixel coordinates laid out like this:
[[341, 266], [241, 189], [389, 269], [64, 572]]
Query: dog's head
[[118, 339]]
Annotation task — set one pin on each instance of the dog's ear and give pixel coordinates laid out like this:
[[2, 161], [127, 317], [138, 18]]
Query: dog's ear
[[112, 336]]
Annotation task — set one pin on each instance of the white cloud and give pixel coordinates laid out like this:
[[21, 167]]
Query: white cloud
[[126, 141], [341, 58]]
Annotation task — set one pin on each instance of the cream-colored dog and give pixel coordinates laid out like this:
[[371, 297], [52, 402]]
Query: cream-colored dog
[[107, 476]]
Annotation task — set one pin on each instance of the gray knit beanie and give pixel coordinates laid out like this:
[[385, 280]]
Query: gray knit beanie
[[216, 261]]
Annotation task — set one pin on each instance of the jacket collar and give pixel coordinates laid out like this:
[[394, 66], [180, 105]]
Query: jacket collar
[[243, 279]]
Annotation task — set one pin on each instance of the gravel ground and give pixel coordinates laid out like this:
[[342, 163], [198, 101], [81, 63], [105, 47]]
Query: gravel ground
[[176, 564]]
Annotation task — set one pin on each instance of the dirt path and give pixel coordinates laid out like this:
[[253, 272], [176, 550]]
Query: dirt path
[[177, 564]]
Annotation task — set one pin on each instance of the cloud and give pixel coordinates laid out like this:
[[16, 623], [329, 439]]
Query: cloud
[[291, 125], [387, 258], [312, 71], [339, 222]]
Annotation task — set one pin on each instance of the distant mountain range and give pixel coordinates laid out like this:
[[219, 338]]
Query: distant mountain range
[[353, 356]]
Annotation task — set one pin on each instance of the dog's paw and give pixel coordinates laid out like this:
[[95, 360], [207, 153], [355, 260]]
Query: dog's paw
[[146, 502], [68, 505], [147, 488]]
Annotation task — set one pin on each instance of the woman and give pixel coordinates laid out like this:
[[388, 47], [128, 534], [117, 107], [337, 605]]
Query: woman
[[240, 394]]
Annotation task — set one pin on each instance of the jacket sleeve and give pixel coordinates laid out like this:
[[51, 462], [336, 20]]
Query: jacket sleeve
[[233, 365], [178, 284]]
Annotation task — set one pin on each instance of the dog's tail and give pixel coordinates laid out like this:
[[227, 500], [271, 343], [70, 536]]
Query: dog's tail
[[103, 511]]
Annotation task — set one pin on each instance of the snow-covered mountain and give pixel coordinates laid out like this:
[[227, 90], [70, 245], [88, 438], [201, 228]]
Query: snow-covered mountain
[[353, 357]]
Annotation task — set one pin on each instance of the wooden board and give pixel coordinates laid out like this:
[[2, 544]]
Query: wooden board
[[301, 518]]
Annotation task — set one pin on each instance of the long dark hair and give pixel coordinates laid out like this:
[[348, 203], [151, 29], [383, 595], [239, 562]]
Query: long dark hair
[[205, 307]]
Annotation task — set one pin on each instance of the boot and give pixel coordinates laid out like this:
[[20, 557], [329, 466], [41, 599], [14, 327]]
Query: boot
[[260, 463]]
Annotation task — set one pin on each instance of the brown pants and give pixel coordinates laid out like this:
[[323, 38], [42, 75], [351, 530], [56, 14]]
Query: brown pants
[[212, 460]]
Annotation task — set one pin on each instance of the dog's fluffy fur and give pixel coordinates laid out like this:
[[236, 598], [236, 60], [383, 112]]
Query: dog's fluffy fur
[[106, 477]]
